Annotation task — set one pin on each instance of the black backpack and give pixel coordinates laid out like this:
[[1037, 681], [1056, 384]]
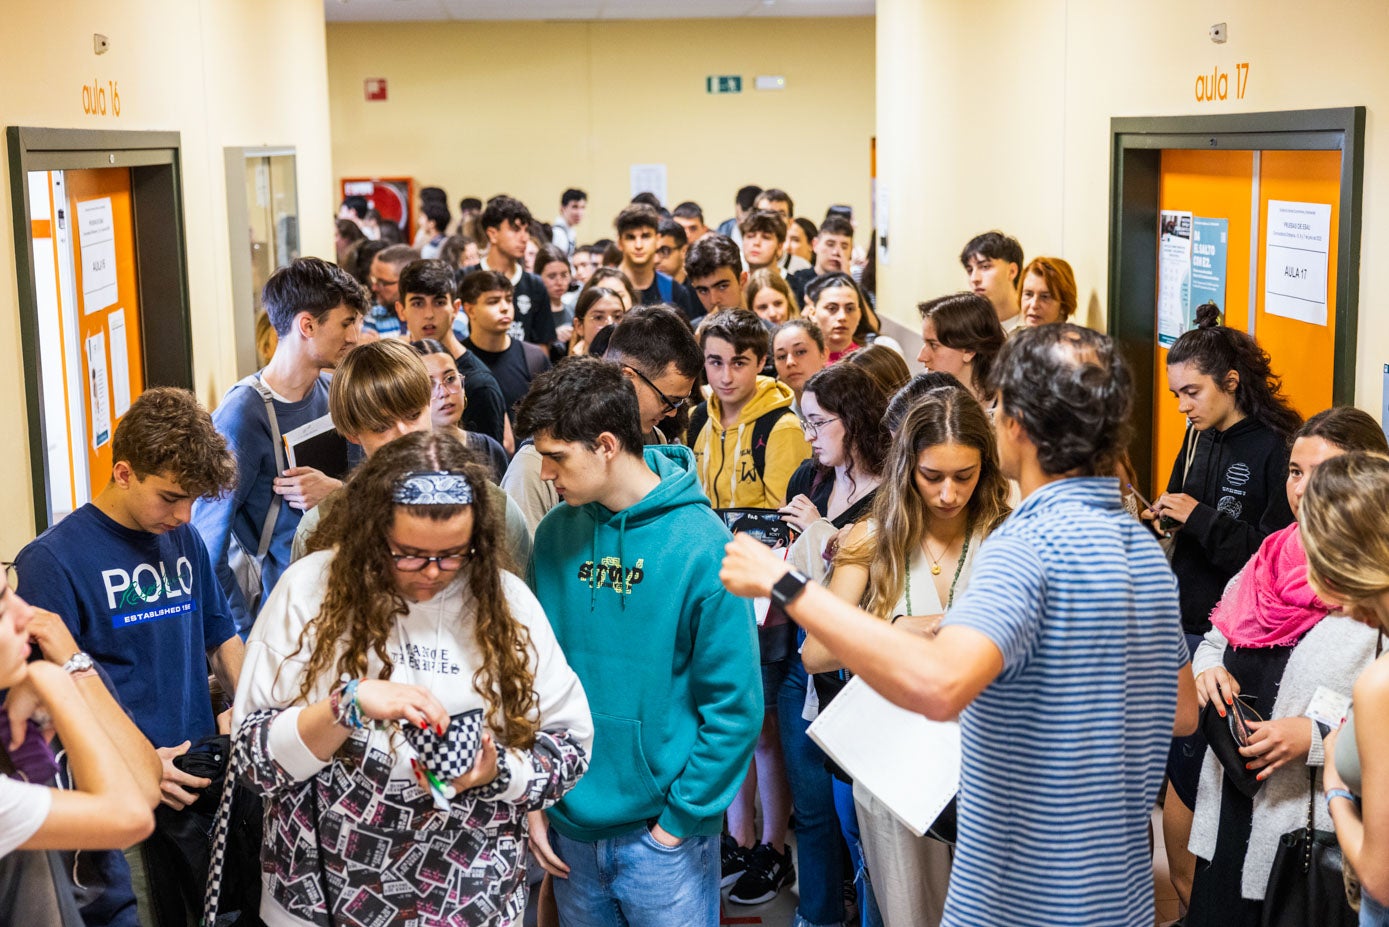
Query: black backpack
[[761, 433]]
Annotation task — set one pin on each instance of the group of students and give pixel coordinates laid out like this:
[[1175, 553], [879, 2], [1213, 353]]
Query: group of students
[[517, 632]]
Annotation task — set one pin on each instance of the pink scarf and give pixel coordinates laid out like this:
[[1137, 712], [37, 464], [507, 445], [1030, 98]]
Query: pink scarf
[[1272, 605]]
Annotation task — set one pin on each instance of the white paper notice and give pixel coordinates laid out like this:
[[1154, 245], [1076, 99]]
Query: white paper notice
[[1299, 240], [120, 363], [649, 178], [1174, 275], [98, 387], [96, 244]]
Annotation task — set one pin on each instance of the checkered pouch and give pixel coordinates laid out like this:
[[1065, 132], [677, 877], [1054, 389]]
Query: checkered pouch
[[451, 755]]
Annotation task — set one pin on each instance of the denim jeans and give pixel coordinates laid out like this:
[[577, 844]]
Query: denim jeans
[[819, 847], [1372, 913], [634, 880], [868, 914]]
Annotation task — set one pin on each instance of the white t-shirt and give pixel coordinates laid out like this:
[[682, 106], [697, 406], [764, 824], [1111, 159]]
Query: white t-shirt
[[23, 809]]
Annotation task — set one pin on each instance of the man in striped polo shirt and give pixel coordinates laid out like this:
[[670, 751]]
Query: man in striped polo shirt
[[1064, 659]]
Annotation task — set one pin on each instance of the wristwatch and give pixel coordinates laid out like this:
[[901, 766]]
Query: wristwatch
[[79, 664], [786, 589]]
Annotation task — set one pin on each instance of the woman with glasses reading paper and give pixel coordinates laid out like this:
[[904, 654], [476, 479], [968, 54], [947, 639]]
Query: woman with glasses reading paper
[[404, 705]]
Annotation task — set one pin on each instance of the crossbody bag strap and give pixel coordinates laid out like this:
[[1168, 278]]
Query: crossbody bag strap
[[272, 513]]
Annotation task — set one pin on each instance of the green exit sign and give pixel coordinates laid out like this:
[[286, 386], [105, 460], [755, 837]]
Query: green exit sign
[[724, 83]]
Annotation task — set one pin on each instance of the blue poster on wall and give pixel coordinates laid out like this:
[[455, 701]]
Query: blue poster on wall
[[1209, 244]]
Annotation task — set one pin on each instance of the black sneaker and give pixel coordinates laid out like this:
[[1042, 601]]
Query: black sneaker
[[733, 861], [768, 873]]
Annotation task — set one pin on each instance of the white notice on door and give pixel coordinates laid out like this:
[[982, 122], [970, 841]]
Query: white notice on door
[[120, 363], [96, 247], [1299, 239], [99, 389]]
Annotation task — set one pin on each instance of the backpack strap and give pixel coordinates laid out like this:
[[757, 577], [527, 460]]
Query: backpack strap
[[666, 286], [761, 433], [699, 417], [267, 530]]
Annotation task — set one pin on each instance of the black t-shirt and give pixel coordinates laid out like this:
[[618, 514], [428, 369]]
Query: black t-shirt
[[799, 280], [533, 322], [681, 297], [486, 410], [511, 368]]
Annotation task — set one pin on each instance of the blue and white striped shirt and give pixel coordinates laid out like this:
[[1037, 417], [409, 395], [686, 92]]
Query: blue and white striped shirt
[[1063, 753]]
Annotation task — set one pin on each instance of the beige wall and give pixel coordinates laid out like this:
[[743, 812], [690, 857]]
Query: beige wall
[[243, 73], [996, 114], [532, 108]]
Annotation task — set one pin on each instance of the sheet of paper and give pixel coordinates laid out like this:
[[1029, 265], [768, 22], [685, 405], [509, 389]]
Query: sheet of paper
[[96, 245], [120, 362], [98, 386], [1174, 275], [909, 762], [1210, 239], [649, 178], [1297, 245]]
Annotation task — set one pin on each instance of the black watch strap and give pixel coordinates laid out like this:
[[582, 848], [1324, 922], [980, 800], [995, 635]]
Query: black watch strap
[[786, 589]]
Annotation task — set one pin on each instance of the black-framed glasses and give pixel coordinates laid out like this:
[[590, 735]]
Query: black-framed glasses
[[812, 427], [672, 405], [414, 563]]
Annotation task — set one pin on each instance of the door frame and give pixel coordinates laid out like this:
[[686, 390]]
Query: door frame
[[1135, 165], [155, 161]]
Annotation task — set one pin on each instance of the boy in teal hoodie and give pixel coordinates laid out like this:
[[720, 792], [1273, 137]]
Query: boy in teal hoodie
[[627, 569]]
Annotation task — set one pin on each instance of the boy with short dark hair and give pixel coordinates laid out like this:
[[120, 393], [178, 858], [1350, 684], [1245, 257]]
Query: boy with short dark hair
[[993, 262], [132, 581], [316, 309], [833, 246], [384, 270], [434, 223], [764, 234], [778, 201], [666, 657], [670, 255], [691, 219], [572, 204], [427, 308], [744, 202], [746, 440], [714, 272], [487, 299], [506, 222], [638, 237]]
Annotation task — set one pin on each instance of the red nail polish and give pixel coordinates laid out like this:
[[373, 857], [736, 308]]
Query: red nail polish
[[423, 725], [1248, 765]]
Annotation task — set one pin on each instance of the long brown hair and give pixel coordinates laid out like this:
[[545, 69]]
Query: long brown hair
[[1344, 521], [947, 415], [362, 603]]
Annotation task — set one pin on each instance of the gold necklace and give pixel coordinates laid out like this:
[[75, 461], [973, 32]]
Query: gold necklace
[[935, 561]]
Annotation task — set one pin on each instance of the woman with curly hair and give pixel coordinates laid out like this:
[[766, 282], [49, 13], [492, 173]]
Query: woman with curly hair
[[1225, 496], [404, 705], [942, 494]]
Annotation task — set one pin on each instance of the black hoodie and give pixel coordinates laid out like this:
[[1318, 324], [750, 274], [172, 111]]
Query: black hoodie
[[1238, 478]]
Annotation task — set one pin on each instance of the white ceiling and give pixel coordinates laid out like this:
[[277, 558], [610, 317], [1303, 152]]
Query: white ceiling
[[471, 10]]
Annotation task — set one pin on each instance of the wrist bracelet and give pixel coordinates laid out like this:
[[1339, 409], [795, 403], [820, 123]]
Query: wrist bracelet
[[1341, 793], [347, 712]]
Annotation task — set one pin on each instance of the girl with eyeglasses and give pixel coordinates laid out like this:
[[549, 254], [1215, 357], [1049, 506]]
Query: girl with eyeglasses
[[942, 494], [447, 402], [404, 705], [841, 411]]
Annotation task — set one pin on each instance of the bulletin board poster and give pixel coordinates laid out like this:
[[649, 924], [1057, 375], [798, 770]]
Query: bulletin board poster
[[1174, 275], [1210, 240], [1298, 249]]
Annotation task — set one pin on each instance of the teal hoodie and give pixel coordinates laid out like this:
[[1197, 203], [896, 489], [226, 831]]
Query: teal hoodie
[[667, 656]]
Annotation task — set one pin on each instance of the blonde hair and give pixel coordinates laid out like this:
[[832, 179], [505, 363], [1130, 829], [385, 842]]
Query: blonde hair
[[1344, 521], [948, 415], [767, 278], [266, 338], [377, 385]]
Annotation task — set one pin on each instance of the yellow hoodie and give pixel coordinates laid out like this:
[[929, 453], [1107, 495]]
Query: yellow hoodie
[[723, 456]]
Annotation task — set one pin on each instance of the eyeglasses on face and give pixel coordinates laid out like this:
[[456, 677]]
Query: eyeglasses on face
[[414, 563], [448, 383], [671, 405], [812, 426]]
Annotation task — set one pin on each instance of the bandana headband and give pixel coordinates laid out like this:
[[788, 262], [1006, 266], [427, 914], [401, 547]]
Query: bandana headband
[[433, 487]]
